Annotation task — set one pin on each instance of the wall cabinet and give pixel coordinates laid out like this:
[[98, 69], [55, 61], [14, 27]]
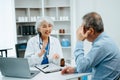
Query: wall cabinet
[[28, 11]]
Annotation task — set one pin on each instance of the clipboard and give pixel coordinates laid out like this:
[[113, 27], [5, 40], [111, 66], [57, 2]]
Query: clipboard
[[49, 68]]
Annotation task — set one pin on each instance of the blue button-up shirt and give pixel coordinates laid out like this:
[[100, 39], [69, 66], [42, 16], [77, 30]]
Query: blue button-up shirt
[[103, 59]]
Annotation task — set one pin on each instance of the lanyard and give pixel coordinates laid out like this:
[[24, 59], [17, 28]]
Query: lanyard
[[47, 48]]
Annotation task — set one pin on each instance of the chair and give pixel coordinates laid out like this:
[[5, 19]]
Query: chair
[[20, 50], [4, 51]]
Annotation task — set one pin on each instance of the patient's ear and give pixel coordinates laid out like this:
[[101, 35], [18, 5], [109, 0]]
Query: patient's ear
[[91, 31]]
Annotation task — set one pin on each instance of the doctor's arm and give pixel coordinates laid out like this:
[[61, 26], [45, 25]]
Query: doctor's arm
[[31, 54], [59, 49], [57, 55]]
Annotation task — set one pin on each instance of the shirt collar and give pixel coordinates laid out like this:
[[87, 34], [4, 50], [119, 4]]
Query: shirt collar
[[99, 37], [40, 40]]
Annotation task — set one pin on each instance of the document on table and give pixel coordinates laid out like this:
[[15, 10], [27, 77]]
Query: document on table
[[48, 68]]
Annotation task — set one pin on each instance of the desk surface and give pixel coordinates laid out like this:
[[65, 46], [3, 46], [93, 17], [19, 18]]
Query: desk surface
[[49, 76]]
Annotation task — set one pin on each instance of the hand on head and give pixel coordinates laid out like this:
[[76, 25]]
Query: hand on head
[[81, 34], [68, 70]]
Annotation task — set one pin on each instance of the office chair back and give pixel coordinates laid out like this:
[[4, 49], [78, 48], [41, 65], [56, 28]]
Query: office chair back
[[20, 49]]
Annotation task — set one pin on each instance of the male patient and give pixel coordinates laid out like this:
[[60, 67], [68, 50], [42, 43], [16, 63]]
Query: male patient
[[104, 57]]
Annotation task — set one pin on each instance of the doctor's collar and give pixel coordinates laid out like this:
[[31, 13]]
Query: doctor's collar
[[40, 41]]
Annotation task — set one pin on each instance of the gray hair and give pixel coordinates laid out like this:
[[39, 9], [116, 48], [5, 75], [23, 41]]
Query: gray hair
[[94, 20], [40, 20]]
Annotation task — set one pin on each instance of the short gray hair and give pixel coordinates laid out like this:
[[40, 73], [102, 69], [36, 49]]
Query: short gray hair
[[94, 20], [40, 20]]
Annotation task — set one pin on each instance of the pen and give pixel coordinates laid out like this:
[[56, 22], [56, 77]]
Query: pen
[[45, 66]]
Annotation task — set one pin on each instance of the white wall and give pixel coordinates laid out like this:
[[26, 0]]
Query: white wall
[[108, 9], [7, 26], [83, 7]]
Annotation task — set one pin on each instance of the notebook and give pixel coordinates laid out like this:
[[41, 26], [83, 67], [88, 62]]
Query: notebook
[[48, 68], [16, 67]]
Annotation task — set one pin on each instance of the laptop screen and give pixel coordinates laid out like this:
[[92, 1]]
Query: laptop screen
[[15, 67]]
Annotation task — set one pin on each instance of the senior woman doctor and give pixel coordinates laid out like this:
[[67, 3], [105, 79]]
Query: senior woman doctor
[[43, 48]]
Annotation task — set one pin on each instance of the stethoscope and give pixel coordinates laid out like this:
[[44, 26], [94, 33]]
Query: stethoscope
[[41, 43]]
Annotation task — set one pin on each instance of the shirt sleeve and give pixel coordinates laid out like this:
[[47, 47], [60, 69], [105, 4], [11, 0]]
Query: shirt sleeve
[[93, 58]]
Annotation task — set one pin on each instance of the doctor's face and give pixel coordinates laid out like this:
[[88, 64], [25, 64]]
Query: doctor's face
[[45, 28]]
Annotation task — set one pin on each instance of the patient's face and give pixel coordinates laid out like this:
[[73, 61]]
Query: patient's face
[[45, 28]]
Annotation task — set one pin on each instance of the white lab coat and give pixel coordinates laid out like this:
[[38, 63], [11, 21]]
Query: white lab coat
[[33, 50]]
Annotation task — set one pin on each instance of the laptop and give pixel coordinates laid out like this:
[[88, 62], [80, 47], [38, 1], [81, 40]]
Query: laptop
[[16, 67]]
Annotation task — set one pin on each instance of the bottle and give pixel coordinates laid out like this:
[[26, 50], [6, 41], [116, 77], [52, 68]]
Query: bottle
[[65, 42], [62, 62]]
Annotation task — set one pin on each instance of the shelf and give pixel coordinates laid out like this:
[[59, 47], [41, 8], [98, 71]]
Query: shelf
[[65, 34], [21, 49], [50, 12], [52, 6], [25, 35], [28, 11], [56, 3], [27, 22], [35, 21], [35, 12], [61, 20], [64, 11], [62, 34], [21, 13], [66, 47], [28, 3]]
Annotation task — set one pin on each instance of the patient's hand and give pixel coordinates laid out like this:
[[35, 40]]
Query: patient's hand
[[56, 56], [68, 70]]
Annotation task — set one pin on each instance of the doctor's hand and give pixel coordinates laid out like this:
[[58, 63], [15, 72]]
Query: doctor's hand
[[68, 70], [42, 50], [81, 34], [56, 56]]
